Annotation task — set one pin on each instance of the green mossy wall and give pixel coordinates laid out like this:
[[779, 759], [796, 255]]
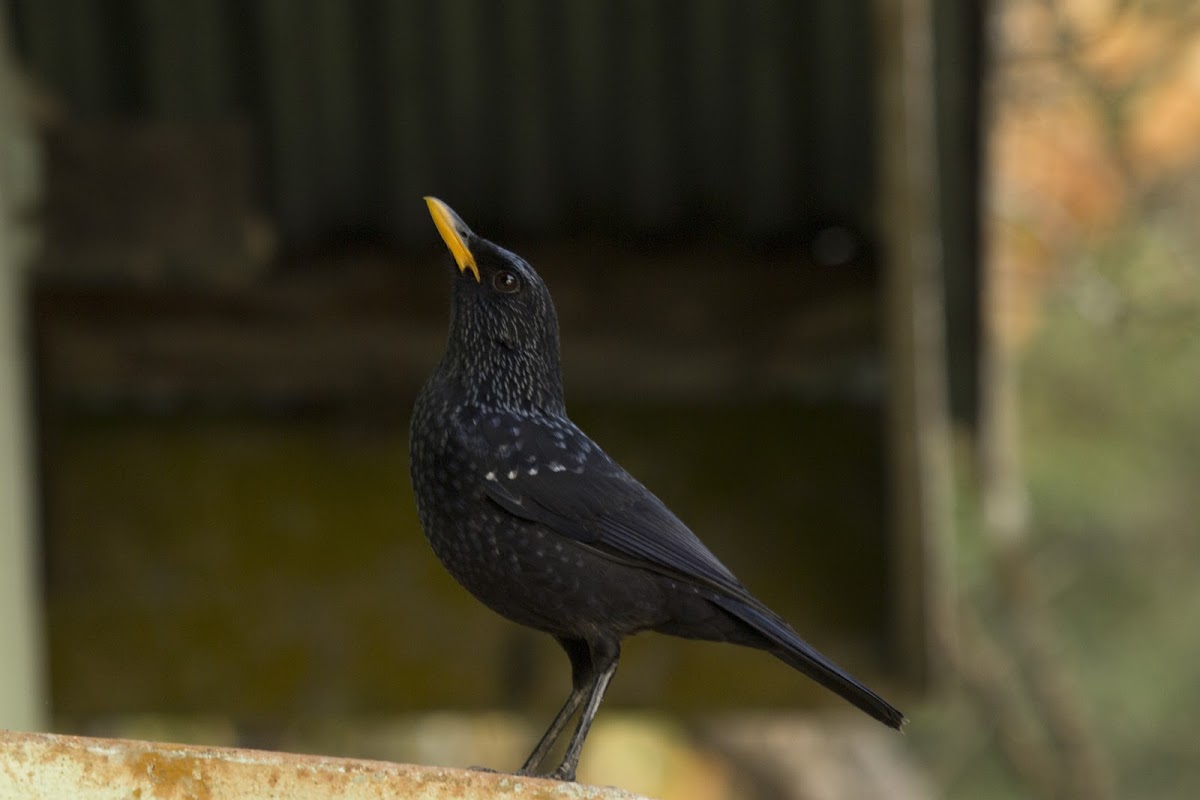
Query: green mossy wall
[[272, 566]]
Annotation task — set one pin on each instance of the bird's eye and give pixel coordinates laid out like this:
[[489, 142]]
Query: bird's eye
[[506, 282]]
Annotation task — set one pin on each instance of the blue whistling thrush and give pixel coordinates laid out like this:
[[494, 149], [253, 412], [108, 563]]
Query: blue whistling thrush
[[538, 523]]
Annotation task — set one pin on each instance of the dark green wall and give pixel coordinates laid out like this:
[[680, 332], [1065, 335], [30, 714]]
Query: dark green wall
[[274, 568]]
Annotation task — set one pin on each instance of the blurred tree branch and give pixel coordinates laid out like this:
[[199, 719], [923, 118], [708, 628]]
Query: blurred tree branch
[[1094, 153], [1011, 670], [987, 676], [1111, 110], [1111, 103]]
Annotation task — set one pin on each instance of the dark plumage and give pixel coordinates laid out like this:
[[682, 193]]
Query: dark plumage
[[536, 521]]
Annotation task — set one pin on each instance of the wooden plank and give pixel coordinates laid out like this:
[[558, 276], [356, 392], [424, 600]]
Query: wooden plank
[[351, 331]]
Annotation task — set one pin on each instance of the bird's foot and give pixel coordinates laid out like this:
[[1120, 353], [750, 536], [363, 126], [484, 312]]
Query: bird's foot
[[520, 773], [563, 773]]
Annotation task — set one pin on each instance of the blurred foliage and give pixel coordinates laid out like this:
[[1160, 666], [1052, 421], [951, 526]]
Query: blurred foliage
[[1113, 458], [1095, 254]]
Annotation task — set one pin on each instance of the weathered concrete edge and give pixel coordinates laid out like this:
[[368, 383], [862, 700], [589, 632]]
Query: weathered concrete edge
[[46, 766]]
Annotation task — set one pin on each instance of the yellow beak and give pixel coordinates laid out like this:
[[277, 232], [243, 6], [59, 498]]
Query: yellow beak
[[454, 233]]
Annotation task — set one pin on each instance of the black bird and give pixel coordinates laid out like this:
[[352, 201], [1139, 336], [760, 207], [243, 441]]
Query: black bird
[[536, 521]]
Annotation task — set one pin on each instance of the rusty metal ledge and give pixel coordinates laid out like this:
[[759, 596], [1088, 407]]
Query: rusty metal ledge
[[44, 766]]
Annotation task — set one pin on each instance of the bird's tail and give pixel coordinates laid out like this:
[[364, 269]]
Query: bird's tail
[[797, 653]]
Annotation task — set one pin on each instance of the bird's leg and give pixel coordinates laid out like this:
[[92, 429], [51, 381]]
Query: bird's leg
[[605, 655], [550, 736], [582, 679], [553, 732]]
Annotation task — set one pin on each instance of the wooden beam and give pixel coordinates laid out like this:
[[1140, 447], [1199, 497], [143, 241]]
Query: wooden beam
[[22, 696], [913, 307]]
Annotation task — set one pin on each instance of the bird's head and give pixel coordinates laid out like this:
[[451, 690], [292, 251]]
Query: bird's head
[[503, 339]]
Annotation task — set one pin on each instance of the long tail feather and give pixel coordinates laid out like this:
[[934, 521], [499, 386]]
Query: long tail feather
[[796, 652]]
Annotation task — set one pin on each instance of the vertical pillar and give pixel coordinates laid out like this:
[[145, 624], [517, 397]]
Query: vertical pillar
[[22, 693], [913, 306]]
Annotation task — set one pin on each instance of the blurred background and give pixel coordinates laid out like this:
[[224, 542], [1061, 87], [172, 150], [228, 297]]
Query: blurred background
[[894, 301]]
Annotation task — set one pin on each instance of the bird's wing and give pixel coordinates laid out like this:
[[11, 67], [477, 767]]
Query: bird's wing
[[554, 475]]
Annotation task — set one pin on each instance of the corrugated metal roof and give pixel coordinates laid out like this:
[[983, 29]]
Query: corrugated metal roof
[[579, 115]]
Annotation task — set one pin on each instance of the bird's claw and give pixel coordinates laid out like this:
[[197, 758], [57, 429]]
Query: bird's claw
[[561, 774]]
